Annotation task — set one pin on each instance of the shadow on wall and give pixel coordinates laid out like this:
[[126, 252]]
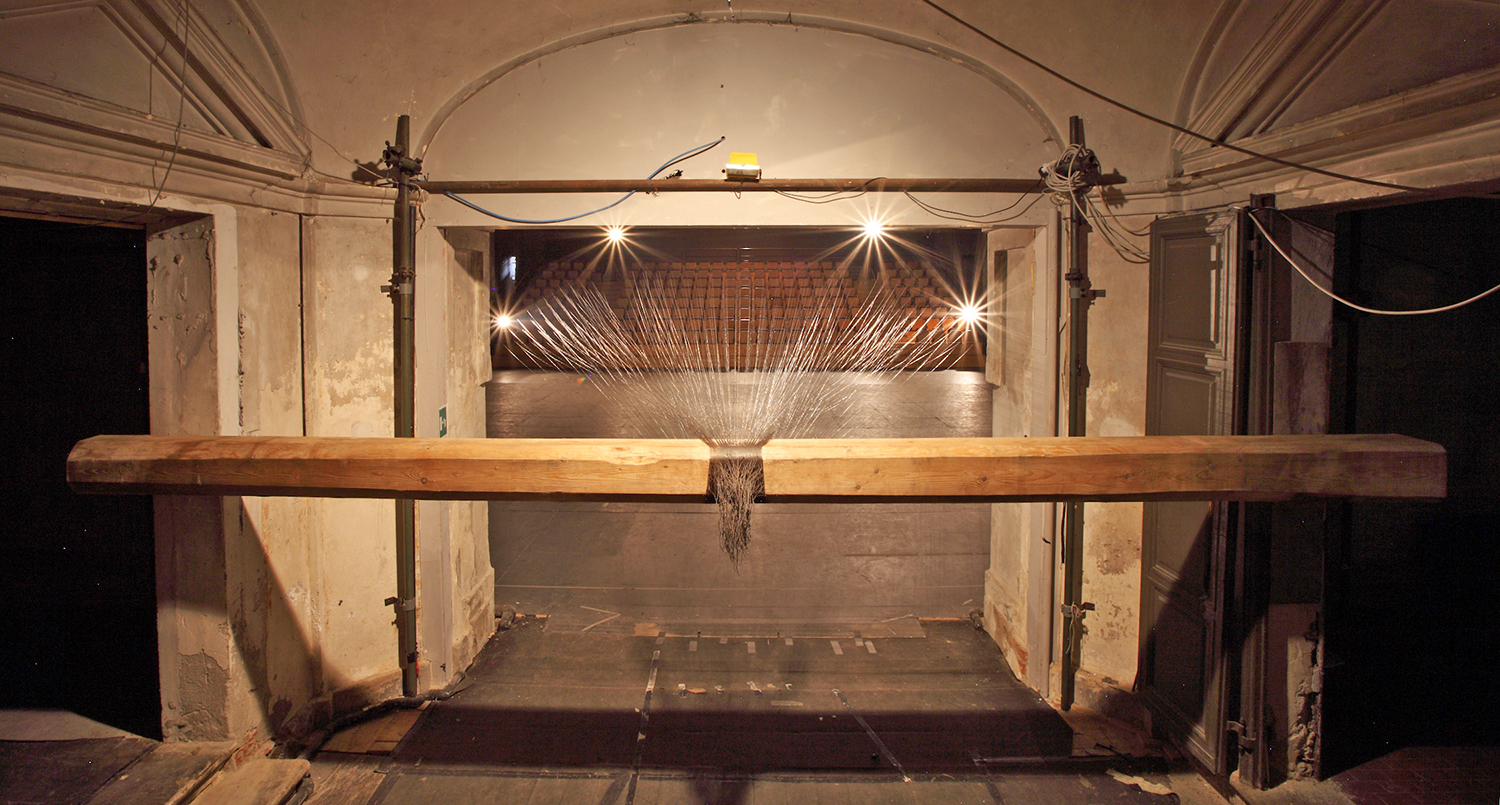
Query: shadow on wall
[[1179, 641], [271, 681], [293, 687], [80, 571]]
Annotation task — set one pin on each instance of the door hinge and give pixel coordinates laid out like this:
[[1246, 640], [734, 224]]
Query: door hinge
[[1246, 740]]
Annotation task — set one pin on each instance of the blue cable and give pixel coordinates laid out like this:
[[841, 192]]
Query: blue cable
[[691, 152]]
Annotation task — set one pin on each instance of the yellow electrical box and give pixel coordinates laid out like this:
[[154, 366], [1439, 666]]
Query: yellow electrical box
[[742, 167]]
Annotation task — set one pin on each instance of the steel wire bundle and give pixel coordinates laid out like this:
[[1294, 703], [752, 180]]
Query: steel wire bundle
[[733, 380]]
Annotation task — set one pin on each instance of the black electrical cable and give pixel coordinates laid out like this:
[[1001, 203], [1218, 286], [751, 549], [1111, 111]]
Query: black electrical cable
[[161, 188], [691, 152], [977, 217], [1173, 126]]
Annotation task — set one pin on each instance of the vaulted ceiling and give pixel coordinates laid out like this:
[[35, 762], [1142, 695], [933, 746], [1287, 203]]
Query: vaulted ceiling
[[274, 84]]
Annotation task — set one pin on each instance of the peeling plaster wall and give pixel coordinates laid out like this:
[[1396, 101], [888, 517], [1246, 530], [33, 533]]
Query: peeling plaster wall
[[275, 600], [434, 538], [347, 365], [240, 580], [1021, 600], [196, 650], [184, 337], [272, 616], [1116, 407], [472, 601], [456, 583]]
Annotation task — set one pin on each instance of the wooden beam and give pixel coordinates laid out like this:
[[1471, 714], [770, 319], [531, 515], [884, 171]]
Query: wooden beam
[[1108, 468], [443, 469], [853, 470]]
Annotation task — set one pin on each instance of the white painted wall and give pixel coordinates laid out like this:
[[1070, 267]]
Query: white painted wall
[[1021, 363], [456, 585]]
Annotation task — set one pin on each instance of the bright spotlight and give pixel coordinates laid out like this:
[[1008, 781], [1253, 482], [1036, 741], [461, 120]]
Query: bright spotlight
[[873, 230], [614, 234], [970, 315], [503, 322]]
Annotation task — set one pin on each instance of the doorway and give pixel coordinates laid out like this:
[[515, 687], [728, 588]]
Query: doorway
[[80, 568], [811, 569], [1409, 586]]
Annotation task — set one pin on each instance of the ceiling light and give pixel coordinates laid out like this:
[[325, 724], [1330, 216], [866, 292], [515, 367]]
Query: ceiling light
[[615, 234], [970, 315], [873, 229]]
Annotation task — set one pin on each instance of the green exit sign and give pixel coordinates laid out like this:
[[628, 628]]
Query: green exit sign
[[443, 421]]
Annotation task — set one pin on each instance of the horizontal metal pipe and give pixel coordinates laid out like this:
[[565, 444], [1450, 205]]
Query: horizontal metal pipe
[[732, 186]]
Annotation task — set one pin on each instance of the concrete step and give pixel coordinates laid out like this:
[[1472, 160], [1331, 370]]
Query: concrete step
[[260, 782], [170, 774]]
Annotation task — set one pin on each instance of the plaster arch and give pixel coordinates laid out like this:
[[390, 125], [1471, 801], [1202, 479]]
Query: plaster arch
[[1267, 67], [813, 97]]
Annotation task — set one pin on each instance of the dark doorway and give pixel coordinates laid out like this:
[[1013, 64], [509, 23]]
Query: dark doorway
[[79, 571], [1412, 638]]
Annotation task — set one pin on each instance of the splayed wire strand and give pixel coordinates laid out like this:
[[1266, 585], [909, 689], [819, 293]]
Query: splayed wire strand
[[736, 373]]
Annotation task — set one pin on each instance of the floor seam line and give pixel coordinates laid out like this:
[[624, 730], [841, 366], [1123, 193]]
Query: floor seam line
[[640, 737]]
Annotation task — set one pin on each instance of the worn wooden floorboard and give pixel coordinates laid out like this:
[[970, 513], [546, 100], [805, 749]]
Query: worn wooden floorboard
[[64, 771], [342, 779]]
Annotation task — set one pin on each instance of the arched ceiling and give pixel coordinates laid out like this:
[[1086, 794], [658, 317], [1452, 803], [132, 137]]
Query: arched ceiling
[[267, 81], [358, 66], [810, 101]]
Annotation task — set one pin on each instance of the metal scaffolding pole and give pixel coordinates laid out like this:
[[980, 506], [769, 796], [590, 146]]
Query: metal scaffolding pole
[[403, 284], [1080, 295]]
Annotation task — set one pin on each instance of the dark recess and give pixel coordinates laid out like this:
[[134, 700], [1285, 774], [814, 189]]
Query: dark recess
[[1412, 637], [79, 571]]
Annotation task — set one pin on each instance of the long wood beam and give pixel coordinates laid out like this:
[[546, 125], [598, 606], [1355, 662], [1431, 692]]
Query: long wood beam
[[848, 470]]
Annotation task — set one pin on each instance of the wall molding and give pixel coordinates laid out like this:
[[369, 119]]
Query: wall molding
[[86, 150], [1297, 47], [1437, 109], [177, 42], [70, 115]]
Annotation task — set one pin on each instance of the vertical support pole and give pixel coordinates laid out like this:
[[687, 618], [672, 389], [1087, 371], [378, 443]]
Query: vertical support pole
[[1248, 611], [1078, 380], [403, 282]]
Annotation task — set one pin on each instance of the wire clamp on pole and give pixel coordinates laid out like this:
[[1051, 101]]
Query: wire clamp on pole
[[1075, 611]]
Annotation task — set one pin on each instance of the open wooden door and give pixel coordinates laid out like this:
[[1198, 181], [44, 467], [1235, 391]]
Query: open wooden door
[[1190, 391]]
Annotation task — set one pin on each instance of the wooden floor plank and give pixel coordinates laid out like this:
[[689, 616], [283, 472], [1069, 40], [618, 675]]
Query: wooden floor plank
[[340, 779], [355, 740]]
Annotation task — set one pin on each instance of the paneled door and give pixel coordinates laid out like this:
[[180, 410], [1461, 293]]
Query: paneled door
[[1189, 391]]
